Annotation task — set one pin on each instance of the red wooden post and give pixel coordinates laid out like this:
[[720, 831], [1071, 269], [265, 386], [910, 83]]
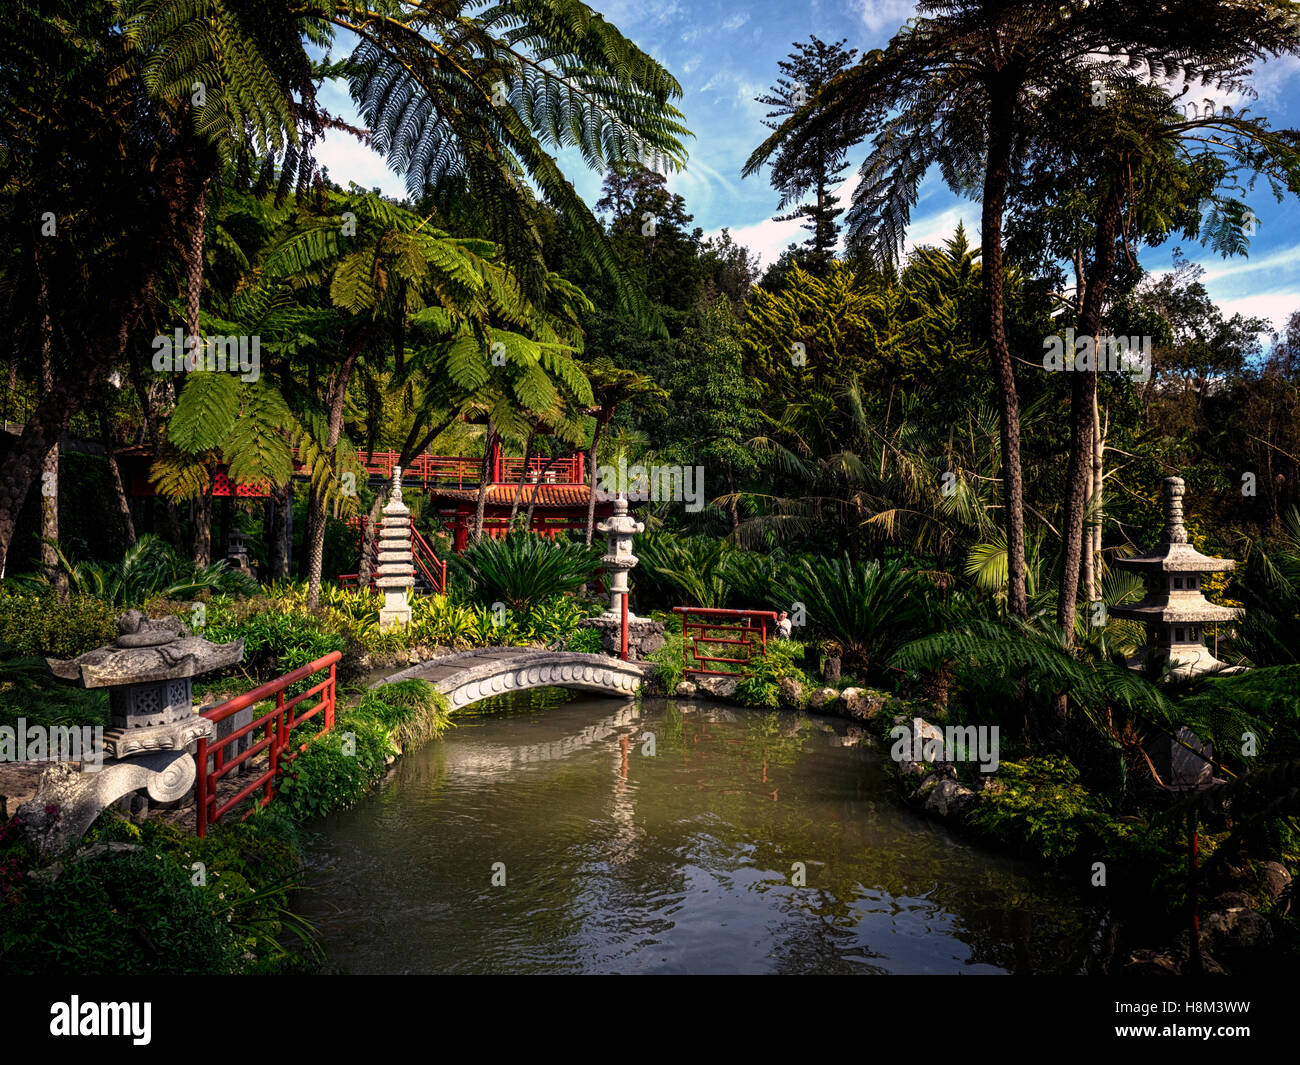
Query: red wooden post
[[329, 706], [280, 742], [202, 792], [623, 641]]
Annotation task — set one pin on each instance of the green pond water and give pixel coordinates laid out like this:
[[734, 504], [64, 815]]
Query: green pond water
[[680, 860]]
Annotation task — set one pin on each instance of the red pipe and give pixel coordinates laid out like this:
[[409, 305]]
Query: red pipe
[[623, 642]]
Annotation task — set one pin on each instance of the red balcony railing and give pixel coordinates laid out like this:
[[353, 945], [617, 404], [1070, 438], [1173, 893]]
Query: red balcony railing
[[276, 725], [706, 632], [427, 562]]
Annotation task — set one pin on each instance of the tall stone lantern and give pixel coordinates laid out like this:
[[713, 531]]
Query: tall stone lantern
[[1174, 610], [147, 672], [643, 634], [396, 561]]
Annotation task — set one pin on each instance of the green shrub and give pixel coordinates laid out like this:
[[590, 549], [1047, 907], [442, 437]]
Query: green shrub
[[669, 660], [761, 685], [36, 623], [119, 914], [250, 870], [1038, 806], [555, 618], [412, 711], [27, 691], [150, 567], [276, 641], [585, 641], [337, 768]]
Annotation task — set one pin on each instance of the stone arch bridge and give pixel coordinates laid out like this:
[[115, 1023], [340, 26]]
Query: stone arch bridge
[[471, 676]]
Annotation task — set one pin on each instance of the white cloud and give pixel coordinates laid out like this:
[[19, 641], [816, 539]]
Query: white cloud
[[1277, 307], [884, 15], [935, 228], [736, 21], [767, 239], [349, 160], [1281, 259]]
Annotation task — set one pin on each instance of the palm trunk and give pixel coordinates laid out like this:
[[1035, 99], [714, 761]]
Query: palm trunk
[[485, 476], [50, 465], [115, 475], [368, 534], [202, 520], [122, 297], [149, 424], [997, 169], [193, 294], [591, 475], [532, 501], [523, 476], [1092, 545], [1082, 407], [279, 534], [336, 395]]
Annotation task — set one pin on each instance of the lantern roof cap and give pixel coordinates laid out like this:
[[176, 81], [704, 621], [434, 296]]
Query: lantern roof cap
[[146, 651]]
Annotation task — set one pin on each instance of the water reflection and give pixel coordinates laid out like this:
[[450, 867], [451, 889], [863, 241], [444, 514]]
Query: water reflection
[[619, 860]]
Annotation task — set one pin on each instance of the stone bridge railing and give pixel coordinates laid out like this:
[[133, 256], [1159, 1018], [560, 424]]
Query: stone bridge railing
[[470, 676]]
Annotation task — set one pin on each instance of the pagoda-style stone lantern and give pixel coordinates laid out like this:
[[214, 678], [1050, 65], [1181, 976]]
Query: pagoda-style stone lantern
[[396, 562], [237, 552], [643, 634], [147, 672], [1174, 610]]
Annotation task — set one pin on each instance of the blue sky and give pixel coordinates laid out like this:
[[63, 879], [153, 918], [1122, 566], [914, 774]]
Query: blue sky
[[724, 55]]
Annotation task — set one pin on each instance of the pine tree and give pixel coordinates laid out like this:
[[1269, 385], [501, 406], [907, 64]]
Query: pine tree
[[818, 166]]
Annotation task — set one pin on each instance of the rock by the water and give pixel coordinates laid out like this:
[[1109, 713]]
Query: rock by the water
[[1273, 879], [1239, 929], [861, 704], [822, 698], [718, 687], [791, 692], [949, 798], [685, 689]]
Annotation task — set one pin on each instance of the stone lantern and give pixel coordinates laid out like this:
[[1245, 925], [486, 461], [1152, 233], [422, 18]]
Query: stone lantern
[[643, 634], [237, 552], [147, 672], [1174, 610], [396, 562]]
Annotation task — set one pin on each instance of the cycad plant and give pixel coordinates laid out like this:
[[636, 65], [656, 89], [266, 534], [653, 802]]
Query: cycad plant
[[686, 570], [522, 570], [869, 609]]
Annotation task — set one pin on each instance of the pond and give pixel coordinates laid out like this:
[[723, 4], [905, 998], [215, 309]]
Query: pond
[[555, 832]]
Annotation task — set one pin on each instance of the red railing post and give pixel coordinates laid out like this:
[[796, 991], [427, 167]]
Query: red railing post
[[329, 703], [201, 791], [623, 640], [278, 744]]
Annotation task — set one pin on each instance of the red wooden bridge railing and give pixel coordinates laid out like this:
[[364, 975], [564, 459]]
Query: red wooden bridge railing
[[427, 562], [740, 628], [277, 724]]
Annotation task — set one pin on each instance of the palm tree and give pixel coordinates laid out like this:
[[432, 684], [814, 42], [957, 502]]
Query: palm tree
[[457, 102], [612, 387], [956, 88]]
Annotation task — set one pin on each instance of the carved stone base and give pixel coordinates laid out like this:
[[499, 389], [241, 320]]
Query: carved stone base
[[68, 801], [644, 636], [129, 742]]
